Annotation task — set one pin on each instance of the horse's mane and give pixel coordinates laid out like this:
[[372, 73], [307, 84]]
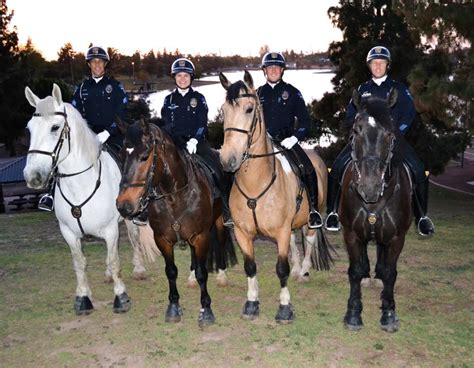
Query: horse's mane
[[86, 143], [234, 91]]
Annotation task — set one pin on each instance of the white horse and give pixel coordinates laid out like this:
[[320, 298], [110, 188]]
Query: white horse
[[87, 186]]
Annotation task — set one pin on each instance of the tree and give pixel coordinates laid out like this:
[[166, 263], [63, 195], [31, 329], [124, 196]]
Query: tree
[[65, 61]]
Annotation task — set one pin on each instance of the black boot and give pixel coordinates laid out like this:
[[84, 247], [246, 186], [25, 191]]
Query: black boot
[[141, 219], [424, 224], [332, 219], [225, 189], [315, 221]]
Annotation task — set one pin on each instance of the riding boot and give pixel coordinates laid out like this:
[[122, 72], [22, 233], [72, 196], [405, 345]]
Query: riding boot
[[225, 188], [141, 219], [424, 224], [315, 220], [46, 202], [332, 218]]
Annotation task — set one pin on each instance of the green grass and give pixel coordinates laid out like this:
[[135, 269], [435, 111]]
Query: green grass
[[38, 327]]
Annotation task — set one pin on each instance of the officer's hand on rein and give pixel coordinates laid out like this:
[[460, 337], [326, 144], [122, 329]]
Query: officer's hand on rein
[[191, 146], [103, 136], [289, 142]]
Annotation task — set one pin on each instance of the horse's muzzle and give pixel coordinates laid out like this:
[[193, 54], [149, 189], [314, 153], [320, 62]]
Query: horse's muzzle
[[126, 209], [231, 164], [36, 179]]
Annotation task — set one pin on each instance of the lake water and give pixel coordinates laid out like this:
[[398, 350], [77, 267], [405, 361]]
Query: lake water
[[312, 83]]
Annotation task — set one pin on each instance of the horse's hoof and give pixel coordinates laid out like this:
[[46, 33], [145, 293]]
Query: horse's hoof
[[389, 321], [251, 310], [221, 279], [206, 317], [303, 279], [108, 279], [122, 303], [285, 314], [365, 282], [83, 305], [353, 320], [138, 276], [192, 283], [173, 313]]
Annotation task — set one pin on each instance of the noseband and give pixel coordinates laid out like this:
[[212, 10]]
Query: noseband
[[54, 154]]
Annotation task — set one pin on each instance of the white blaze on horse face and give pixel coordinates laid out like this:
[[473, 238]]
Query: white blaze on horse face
[[130, 150], [252, 293], [372, 122]]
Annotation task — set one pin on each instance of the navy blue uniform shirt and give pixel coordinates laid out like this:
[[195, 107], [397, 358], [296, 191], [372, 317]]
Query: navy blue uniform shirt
[[99, 103], [185, 116], [403, 112], [281, 105]]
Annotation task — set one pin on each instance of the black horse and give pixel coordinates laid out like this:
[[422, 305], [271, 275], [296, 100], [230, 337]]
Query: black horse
[[375, 205], [182, 206]]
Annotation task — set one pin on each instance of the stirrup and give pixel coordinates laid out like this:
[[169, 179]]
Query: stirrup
[[229, 222], [425, 226], [315, 221], [141, 219], [332, 222], [46, 203]]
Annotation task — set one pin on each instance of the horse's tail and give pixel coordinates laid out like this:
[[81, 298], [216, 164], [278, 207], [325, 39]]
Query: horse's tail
[[221, 253], [147, 245], [323, 253]]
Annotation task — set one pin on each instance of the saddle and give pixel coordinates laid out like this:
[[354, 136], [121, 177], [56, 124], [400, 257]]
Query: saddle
[[114, 152], [209, 173]]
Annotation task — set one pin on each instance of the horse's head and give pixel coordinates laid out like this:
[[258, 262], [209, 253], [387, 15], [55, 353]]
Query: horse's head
[[241, 112], [49, 131], [373, 140], [139, 154]]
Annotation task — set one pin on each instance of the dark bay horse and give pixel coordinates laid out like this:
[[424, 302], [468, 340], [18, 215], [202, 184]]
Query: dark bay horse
[[181, 206], [375, 205], [267, 197]]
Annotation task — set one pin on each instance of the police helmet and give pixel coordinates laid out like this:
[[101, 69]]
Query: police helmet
[[97, 52], [379, 52], [182, 65], [273, 58]]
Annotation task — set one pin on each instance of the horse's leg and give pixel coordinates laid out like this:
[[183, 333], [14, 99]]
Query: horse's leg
[[199, 249], [251, 307], [294, 257], [285, 310], [221, 235], [122, 302], [358, 269], [310, 239], [139, 271], [173, 312], [82, 304], [386, 269]]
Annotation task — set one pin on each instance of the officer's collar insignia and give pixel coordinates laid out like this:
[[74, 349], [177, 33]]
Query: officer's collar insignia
[[182, 63], [193, 102], [109, 88], [285, 95], [366, 94]]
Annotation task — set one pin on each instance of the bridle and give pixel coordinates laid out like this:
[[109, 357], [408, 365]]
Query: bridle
[[150, 192], [386, 163]]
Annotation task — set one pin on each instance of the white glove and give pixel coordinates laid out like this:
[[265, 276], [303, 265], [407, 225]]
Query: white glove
[[103, 136], [191, 146], [289, 142]]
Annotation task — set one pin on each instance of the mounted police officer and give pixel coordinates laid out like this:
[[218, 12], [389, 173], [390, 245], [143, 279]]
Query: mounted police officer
[[99, 99], [403, 112], [282, 104], [185, 114]]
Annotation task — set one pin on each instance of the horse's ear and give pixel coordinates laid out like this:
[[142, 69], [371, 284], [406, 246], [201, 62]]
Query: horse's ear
[[224, 81], [31, 97], [356, 98], [57, 94], [122, 125], [392, 97], [248, 79]]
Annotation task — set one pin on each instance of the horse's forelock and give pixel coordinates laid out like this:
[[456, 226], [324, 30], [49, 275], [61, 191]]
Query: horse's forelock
[[379, 110], [133, 136], [234, 91], [46, 106]]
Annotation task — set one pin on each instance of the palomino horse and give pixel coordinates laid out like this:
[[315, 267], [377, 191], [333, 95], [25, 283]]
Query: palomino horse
[[266, 197], [181, 206], [88, 180], [375, 205]]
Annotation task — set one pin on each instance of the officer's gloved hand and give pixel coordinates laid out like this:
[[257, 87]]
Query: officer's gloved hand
[[103, 136], [289, 142], [191, 146]]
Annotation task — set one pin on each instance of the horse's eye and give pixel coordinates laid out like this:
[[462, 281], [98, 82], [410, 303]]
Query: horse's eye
[[144, 156], [54, 128], [249, 110]]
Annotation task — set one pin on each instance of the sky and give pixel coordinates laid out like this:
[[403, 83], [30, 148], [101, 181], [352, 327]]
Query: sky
[[195, 27]]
